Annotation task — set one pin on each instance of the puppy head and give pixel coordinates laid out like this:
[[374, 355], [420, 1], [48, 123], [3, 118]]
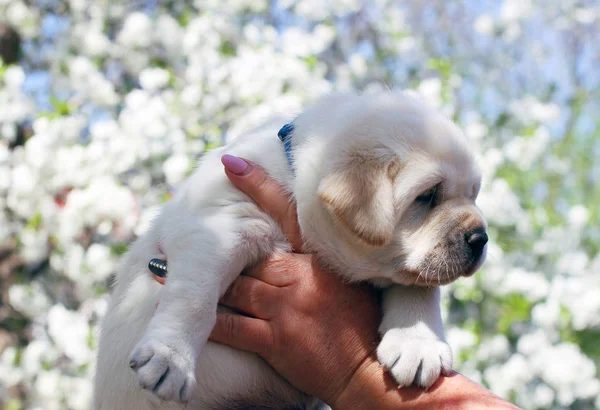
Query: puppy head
[[399, 188]]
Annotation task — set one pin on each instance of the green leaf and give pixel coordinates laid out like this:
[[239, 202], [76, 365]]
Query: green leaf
[[184, 18], [502, 120], [119, 249], [14, 404], [165, 197], [442, 65], [211, 145], [35, 222], [514, 308], [18, 357], [227, 49], [311, 62], [91, 341], [61, 109]]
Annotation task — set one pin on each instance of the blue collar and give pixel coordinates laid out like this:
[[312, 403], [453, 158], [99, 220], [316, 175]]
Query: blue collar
[[285, 135]]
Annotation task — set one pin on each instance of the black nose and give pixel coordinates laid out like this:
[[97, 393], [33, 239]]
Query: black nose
[[476, 240]]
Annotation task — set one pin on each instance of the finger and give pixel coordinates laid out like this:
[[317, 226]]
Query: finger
[[242, 332], [267, 193], [280, 269], [160, 279], [251, 296]]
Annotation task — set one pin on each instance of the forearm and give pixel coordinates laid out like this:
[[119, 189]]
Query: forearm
[[373, 387]]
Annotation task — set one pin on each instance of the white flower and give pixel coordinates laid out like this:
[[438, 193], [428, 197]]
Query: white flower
[[137, 31], [169, 33], [578, 216], [312, 9], [476, 130], [99, 261], [36, 355], [431, 89], [579, 295], [9, 375], [14, 77], [507, 377], [543, 396], [17, 13], [79, 392], [499, 204], [95, 43], [103, 200], [546, 314], [358, 65], [526, 151], [87, 80], [484, 24], [493, 349], [573, 263], [532, 285], [35, 245], [47, 387], [176, 168], [531, 343], [568, 371], [460, 339], [515, 9], [70, 332], [296, 41], [531, 110], [8, 131], [587, 15], [152, 79]]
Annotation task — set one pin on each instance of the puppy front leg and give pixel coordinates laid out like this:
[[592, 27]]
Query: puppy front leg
[[166, 356], [413, 346]]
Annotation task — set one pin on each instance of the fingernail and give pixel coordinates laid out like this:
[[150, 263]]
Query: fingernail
[[235, 165]]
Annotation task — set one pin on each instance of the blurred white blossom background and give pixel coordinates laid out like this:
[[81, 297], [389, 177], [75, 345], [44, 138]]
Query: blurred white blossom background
[[112, 102]]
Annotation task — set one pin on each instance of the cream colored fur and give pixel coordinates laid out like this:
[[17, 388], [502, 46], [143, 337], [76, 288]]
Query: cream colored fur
[[360, 164]]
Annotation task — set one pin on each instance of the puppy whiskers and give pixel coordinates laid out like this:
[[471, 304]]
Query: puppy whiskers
[[447, 269], [424, 274], [431, 264]]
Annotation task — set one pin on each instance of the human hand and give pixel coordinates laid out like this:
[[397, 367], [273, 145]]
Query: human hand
[[314, 329]]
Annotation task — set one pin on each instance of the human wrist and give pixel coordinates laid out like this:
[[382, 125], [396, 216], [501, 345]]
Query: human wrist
[[356, 393], [372, 387]]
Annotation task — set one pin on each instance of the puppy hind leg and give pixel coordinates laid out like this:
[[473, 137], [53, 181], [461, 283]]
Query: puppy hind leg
[[198, 269]]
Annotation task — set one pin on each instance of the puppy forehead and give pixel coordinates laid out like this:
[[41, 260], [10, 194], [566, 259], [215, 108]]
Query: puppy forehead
[[394, 122], [460, 179], [415, 131], [402, 123]]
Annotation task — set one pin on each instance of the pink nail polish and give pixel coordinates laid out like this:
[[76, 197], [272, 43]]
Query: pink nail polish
[[235, 165]]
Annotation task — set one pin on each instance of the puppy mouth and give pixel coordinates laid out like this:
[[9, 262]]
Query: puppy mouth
[[429, 277], [444, 269]]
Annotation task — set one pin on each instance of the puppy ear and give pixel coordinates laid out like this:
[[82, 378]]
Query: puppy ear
[[359, 194]]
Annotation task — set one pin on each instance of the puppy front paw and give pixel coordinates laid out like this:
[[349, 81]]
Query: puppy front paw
[[164, 370], [414, 360]]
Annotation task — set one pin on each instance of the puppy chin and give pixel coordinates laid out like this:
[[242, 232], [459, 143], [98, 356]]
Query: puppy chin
[[437, 273]]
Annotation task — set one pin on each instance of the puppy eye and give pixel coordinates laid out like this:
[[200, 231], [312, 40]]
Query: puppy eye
[[427, 196]]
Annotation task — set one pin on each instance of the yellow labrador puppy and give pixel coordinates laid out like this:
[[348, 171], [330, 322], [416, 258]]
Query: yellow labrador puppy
[[385, 189]]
